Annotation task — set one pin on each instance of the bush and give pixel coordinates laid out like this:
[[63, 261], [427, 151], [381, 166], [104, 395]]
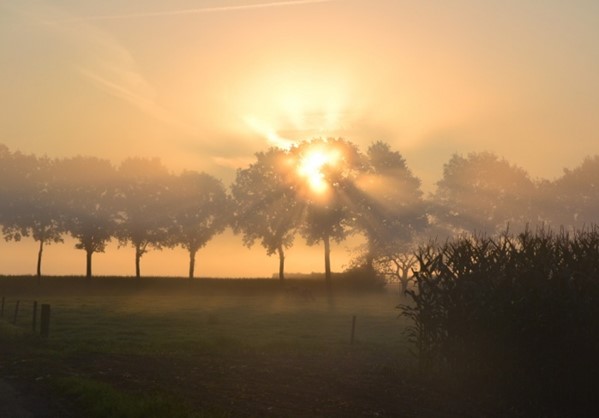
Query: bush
[[516, 314], [359, 278]]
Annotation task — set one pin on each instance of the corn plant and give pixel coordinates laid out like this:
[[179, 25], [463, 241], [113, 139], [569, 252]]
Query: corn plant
[[519, 311]]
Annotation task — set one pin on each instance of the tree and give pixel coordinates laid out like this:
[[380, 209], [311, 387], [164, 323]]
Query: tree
[[484, 194], [11, 177], [265, 205], [141, 206], [573, 199], [37, 212], [396, 264], [199, 209], [86, 187], [326, 172], [388, 203]]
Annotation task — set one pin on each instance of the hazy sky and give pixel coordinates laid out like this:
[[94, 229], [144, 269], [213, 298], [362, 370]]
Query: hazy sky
[[204, 84]]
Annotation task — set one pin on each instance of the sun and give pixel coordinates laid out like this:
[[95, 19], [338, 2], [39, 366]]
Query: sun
[[312, 164]]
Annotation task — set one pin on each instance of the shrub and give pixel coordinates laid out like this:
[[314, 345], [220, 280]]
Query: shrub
[[360, 278]]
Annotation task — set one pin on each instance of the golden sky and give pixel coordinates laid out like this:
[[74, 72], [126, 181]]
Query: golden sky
[[204, 84]]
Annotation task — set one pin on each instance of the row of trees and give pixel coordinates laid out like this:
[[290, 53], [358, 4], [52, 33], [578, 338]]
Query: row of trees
[[139, 203], [322, 190]]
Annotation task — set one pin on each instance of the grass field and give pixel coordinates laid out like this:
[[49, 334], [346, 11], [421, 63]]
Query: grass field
[[224, 348]]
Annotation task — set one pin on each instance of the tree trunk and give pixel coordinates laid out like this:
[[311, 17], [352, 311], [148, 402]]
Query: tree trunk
[[281, 263], [39, 259], [370, 256], [192, 262], [138, 254], [404, 281], [88, 263], [369, 264], [327, 260]]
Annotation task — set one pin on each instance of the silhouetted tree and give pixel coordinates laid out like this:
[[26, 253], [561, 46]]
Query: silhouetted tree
[[37, 211], [328, 212], [573, 198], [265, 204], [483, 193], [87, 189], [388, 202], [396, 264], [10, 179], [199, 210], [142, 217]]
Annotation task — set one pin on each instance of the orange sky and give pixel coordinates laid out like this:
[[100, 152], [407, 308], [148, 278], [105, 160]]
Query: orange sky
[[206, 84]]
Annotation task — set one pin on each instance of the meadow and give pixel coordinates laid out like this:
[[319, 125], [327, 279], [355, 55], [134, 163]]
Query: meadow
[[123, 347], [126, 315]]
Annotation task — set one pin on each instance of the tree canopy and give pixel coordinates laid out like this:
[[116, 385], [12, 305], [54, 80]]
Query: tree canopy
[[389, 203], [141, 203], [265, 204], [86, 189], [324, 190], [483, 193], [198, 210], [576, 195], [327, 172]]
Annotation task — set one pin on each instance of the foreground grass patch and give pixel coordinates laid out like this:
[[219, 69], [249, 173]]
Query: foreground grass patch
[[100, 400]]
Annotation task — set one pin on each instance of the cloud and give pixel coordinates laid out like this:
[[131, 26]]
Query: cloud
[[271, 135], [132, 88], [202, 10], [99, 58]]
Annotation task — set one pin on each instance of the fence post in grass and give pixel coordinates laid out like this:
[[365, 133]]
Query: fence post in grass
[[2, 311], [353, 329], [33, 323], [14, 320], [45, 320]]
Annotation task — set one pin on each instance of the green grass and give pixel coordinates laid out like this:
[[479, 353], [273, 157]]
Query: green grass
[[173, 320], [152, 323], [101, 400], [146, 320]]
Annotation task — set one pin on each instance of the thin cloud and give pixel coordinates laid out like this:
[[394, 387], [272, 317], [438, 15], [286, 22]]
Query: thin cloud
[[202, 10], [268, 132], [101, 60], [118, 87]]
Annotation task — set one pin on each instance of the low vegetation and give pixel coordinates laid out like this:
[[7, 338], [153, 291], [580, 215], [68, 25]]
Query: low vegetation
[[515, 315], [219, 347], [100, 400]]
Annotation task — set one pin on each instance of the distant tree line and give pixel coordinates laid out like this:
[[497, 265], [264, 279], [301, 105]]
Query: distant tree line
[[141, 204]]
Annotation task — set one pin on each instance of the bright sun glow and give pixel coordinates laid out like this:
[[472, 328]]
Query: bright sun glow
[[286, 104], [312, 164]]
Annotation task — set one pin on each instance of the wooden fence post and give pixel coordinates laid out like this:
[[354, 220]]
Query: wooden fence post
[[14, 320], [45, 320], [2, 311], [353, 329], [33, 323]]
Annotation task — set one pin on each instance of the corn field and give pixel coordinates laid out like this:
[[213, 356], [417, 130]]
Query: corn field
[[518, 313]]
